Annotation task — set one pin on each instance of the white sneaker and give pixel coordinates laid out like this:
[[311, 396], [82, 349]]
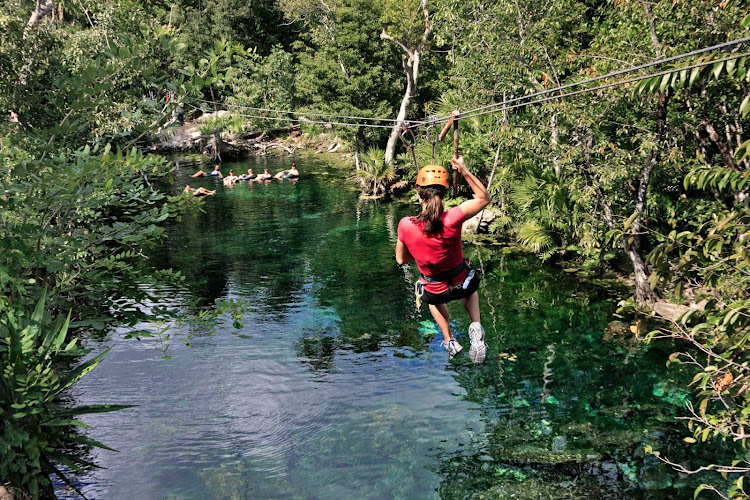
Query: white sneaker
[[453, 347], [478, 349]]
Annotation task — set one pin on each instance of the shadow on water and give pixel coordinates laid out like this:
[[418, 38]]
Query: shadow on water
[[337, 387]]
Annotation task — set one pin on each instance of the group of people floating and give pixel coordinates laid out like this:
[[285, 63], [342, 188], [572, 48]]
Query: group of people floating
[[232, 179]]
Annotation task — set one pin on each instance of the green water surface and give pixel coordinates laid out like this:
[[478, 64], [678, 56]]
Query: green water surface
[[336, 387]]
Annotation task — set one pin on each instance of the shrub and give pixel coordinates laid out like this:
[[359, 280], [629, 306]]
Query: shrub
[[36, 428]]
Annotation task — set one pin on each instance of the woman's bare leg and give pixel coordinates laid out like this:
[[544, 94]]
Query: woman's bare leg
[[478, 349], [471, 304], [198, 173], [441, 316]]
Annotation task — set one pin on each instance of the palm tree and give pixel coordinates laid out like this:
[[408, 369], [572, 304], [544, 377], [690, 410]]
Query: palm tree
[[374, 174], [545, 201]]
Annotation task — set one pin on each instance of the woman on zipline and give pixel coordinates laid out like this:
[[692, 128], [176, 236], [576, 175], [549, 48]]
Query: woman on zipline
[[433, 240]]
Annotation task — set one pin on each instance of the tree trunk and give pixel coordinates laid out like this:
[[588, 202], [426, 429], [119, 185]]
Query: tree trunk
[[42, 8], [390, 149], [643, 293], [5, 492], [410, 63], [489, 182], [554, 140], [725, 151], [652, 28], [360, 142]]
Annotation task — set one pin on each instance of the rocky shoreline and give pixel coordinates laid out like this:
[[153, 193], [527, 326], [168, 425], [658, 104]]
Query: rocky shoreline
[[224, 145]]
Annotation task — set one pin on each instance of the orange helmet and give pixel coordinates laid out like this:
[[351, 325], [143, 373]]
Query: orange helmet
[[432, 175]]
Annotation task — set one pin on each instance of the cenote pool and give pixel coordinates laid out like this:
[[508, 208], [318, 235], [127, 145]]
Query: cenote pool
[[336, 387]]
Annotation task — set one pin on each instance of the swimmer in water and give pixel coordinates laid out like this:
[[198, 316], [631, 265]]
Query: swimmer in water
[[248, 176], [292, 173], [201, 191], [264, 176], [231, 179], [215, 172]]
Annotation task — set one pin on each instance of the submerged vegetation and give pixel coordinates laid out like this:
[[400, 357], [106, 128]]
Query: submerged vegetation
[[649, 177]]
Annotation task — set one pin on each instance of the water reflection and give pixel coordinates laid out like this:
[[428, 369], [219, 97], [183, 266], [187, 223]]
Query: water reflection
[[337, 387]]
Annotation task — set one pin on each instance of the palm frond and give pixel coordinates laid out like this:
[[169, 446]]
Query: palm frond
[[533, 236]]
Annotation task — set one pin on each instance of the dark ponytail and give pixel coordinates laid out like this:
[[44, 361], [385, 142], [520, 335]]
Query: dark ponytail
[[433, 195]]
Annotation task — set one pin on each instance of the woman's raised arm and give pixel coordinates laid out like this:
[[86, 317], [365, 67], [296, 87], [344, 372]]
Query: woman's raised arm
[[481, 197]]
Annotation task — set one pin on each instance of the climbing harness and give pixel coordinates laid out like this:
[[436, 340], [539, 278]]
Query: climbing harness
[[444, 278]]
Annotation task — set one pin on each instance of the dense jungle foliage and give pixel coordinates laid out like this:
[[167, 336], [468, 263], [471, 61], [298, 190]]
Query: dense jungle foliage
[[649, 178]]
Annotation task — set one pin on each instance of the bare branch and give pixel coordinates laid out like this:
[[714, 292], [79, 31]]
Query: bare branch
[[43, 7], [386, 36]]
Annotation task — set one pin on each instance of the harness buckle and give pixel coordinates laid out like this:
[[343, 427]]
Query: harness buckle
[[418, 291]]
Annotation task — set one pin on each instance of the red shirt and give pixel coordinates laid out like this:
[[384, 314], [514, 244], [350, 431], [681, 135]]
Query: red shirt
[[435, 253]]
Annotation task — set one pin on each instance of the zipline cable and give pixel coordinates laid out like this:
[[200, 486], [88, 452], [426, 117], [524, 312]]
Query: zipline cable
[[295, 120], [602, 77], [279, 111], [469, 114], [521, 101]]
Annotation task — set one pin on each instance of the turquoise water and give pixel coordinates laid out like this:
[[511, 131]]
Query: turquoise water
[[336, 387]]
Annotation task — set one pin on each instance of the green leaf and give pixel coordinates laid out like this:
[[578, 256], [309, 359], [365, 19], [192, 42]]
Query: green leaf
[[717, 69], [85, 410], [38, 313], [693, 76], [630, 220], [54, 338], [745, 106], [77, 438], [698, 490], [48, 465], [81, 370], [664, 81], [730, 66], [62, 423], [71, 461]]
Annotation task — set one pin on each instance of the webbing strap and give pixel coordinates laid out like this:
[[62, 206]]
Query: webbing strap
[[447, 275]]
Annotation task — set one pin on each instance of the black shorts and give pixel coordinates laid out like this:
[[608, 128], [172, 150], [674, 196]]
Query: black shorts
[[451, 295]]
